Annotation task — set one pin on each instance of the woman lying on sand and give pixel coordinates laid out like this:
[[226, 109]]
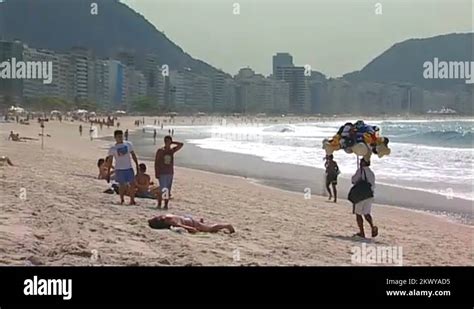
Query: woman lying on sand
[[191, 225]]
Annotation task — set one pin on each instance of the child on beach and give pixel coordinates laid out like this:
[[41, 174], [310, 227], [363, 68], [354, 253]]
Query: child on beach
[[123, 154], [164, 168], [188, 223]]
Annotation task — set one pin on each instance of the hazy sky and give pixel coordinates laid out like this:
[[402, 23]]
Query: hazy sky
[[333, 36]]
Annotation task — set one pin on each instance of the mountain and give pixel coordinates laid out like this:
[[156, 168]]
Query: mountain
[[62, 24], [403, 62]]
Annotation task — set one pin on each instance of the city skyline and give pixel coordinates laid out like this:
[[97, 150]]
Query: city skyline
[[117, 83], [317, 37]]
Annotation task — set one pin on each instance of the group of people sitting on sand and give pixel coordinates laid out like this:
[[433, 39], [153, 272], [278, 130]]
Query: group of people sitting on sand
[[141, 185], [16, 137]]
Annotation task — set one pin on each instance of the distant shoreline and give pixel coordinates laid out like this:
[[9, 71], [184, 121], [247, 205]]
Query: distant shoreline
[[297, 178]]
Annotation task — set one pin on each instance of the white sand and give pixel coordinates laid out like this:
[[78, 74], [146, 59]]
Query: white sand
[[65, 216]]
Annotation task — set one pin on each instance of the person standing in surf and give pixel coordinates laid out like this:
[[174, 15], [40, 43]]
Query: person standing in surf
[[164, 168], [332, 171]]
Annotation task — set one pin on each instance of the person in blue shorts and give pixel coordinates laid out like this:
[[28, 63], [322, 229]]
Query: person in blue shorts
[[123, 154]]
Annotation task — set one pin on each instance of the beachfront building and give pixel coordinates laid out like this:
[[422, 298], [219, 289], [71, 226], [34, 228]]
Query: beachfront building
[[11, 91], [230, 94], [250, 91], [126, 58], [218, 92], [281, 60], [81, 73], [191, 92], [201, 98], [258, 94], [35, 88], [299, 88], [102, 95], [117, 84], [280, 97], [111, 88], [318, 96], [154, 78], [135, 85]]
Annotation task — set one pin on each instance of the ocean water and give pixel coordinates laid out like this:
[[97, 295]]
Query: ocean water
[[435, 156]]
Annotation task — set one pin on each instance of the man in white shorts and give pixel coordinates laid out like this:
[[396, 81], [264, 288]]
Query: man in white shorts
[[364, 208]]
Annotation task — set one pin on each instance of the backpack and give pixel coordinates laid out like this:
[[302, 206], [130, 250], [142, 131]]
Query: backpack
[[361, 190]]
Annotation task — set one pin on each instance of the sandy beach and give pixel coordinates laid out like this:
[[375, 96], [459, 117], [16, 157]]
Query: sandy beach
[[53, 212]]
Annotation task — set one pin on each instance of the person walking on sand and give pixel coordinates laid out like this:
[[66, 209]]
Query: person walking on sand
[[123, 153], [363, 208], [91, 133], [126, 135], [332, 171], [80, 129], [154, 137], [164, 168]]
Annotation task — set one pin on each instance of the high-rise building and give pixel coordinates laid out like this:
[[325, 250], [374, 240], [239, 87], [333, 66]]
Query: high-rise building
[[280, 96], [81, 77], [202, 94], [154, 78], [282, 60], [299, 94], [230, 89], [218, 92], [102, 95], [117, 86], [126, 58], [191, 92], [135, 85], [35, 88], [318, 94], [257, 94], [11, 90]]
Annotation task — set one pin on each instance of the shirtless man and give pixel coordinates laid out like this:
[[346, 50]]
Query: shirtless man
[[143, 185], [188, 223], [14, 137]]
